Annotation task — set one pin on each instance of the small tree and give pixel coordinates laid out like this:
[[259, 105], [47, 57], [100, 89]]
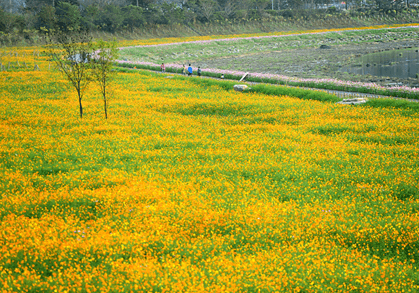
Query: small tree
[[71, 53], [105, 55]]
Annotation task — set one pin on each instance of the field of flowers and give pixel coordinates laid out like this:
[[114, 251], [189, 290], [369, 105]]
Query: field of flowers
[[192, 187]]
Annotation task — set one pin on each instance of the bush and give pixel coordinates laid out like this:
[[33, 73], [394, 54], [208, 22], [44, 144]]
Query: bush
[[332, 10]]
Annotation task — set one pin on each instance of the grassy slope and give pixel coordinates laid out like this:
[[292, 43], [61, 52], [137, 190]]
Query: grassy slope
[[185, 53], [260, 26]]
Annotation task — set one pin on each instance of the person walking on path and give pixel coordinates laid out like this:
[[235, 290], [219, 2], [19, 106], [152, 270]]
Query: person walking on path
[[184, 70], [199, 71], [190, 70], [163, 69]]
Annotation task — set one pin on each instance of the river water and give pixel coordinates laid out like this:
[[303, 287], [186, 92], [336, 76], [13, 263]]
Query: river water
[[394, 63]]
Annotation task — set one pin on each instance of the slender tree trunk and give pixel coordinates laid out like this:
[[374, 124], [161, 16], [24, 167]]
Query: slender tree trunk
[[106, 111], [80, 106], [104, 102]]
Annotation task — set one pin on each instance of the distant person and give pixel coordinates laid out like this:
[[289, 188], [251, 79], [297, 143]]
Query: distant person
[[222, 76], [199, 71], [190, 70], [162, 67], [184, 70]]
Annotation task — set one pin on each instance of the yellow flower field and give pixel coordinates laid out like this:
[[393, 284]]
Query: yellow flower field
[[188, 187]]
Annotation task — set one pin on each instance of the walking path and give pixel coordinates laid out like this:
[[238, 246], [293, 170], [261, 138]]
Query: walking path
[[340, 94]]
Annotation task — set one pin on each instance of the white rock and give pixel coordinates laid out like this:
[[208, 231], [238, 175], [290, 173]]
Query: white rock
[[355, 101], [240, 87]]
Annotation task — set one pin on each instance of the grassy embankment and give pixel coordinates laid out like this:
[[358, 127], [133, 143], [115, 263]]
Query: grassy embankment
[[192, 187], [275, 24], [268, 24], [204, 49], [182, 53]]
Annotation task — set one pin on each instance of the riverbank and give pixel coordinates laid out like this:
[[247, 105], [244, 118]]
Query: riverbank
[[317, 62], [312, 55]]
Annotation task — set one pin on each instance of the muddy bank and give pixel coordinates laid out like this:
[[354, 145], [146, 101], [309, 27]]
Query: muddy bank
[[323, 61]]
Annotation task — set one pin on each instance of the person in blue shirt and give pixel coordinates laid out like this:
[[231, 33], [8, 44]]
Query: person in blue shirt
[[190, 70]]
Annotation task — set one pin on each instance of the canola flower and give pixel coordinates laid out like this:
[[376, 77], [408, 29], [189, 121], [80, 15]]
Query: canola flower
[[191, 188]]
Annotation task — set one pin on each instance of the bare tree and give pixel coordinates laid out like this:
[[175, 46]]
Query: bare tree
[[207, 8], [105, 55], [229, 8], [71, 53]]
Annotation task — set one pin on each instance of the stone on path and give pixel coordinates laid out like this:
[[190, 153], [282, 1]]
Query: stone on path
[[355, 101], [240, 87], [325, 47]]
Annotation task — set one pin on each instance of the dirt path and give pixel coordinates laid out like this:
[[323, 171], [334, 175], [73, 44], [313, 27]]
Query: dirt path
[[340, 94]]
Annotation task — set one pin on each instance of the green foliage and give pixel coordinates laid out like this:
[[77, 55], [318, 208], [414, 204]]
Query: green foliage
[[110, 19], [68, 17], [331, 9], [90, 17], [10, 21], [248, 16], [172, 13], [133, 16], [47, 18], [394, 103]]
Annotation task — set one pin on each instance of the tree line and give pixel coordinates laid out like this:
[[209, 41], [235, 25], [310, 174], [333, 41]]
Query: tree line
[[115, 15]]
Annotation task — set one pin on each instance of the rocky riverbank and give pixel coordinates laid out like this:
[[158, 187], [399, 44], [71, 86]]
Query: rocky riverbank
[[323, 61]]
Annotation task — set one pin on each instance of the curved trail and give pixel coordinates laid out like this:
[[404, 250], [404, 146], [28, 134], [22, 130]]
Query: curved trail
[[349, 95], [339, 94]]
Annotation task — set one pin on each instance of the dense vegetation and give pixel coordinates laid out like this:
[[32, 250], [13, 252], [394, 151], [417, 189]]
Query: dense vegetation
[[30, 20]]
